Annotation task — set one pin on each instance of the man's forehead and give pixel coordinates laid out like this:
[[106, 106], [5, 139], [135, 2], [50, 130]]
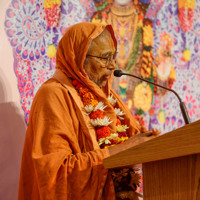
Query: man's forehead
[[102, 43]]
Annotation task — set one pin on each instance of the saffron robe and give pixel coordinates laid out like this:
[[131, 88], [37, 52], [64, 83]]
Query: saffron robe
[[61, 158]]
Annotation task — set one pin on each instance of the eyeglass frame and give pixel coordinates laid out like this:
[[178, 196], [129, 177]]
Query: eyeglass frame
[[108, 59]]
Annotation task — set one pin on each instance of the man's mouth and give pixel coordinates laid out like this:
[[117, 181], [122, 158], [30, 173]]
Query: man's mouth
[[107, 76]]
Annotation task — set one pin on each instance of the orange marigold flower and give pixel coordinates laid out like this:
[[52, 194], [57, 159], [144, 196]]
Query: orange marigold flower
[[87, 102], [103, 132], [83, 91], [94, 102], [88, 98], [97, 114], [88, 95], [118, 122]]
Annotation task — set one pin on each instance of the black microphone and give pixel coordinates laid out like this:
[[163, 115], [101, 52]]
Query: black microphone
[[119, 73]]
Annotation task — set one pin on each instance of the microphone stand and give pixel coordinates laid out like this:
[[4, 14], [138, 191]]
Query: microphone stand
[[182, 105]]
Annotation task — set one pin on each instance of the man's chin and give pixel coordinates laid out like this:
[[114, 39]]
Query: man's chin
[[102, 83]]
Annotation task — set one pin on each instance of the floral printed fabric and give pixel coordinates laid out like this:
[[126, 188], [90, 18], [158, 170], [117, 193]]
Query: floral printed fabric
[[30, 35]]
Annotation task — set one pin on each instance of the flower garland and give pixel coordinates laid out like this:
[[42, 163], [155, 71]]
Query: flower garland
[[52, 10], [95, 110], [142, 97], [147, 58], [186, 14], [125, 180], [186, 19]]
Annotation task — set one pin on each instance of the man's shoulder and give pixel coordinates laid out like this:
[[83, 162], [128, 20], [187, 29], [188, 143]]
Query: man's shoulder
[[52, 83], [50, 87]]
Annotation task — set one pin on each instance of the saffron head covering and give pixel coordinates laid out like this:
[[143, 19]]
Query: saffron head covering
[[70, 57], [73, 47]]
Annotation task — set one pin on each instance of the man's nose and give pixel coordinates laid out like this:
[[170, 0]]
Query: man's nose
[[112, 65]]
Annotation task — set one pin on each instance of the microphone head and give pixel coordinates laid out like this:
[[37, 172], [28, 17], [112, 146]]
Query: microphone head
[[118, 73]]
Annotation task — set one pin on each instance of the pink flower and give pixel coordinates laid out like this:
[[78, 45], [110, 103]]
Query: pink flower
[[190, 105], [198, 75], [158, 22], [41, 76]]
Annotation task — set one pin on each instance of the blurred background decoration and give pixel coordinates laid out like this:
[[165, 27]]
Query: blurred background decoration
[[157, 40]]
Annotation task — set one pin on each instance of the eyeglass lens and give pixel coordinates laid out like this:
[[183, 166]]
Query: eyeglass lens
[[111, 58]]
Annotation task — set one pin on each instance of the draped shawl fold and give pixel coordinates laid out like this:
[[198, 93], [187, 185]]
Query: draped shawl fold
[[61, 158]]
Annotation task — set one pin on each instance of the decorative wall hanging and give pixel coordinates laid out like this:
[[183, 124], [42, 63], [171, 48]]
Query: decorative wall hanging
[[34, 36], [186, 19], [127, 19], [183, 76], [53, 11], [30, 36]]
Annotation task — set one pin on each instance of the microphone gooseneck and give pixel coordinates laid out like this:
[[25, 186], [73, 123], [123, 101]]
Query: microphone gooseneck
[[119, 73]]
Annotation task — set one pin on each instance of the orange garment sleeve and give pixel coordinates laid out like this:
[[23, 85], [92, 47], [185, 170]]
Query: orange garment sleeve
[[61, 170]]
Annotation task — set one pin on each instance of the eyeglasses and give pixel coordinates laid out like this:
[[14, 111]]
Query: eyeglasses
[[108, 59]]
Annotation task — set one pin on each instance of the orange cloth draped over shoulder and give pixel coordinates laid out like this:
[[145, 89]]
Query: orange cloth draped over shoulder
[[61, 158]]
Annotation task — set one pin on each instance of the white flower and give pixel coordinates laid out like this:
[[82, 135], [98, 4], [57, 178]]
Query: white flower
[[119, 113], [107, 139], [89, 108], [101, 122], [112, 100], [121, 128], [100, 106]]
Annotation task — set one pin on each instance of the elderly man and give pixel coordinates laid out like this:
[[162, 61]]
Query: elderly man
[[76, 121]]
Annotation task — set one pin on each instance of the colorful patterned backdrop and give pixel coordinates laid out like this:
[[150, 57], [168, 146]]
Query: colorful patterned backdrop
[[29, 35], [187, 84], [32, 36]]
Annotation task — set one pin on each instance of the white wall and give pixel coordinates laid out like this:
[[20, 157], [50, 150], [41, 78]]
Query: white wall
[[12, 125]]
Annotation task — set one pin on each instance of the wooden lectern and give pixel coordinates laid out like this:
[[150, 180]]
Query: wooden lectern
[[170, 164]]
